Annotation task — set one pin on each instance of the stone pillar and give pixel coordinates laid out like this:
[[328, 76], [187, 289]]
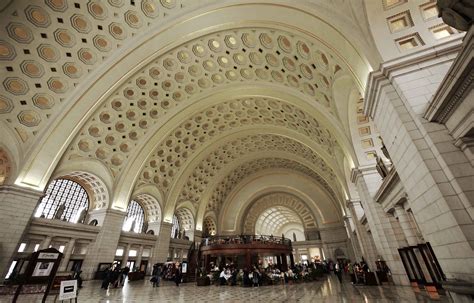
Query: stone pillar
[[17, 205], [353, 253], [67, 255], [139, 257], [197, 238], [180, 255], [297, 256], [368, 250], [381, 226], [404, 221], [126, 252], [46, 242], [103, 249], [160, 251]]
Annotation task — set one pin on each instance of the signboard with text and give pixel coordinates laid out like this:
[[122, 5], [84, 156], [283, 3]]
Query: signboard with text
[[68, 290]]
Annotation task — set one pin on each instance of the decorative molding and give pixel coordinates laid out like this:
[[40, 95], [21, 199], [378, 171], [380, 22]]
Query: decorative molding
[[22, 191], [382, 77], [456, 85], [388, 184], [359, 171]]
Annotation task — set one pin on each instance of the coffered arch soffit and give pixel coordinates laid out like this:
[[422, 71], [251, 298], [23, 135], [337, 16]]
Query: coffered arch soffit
[[208, 169], [300, 212], [327, 212], [201, 130], [134, 57]]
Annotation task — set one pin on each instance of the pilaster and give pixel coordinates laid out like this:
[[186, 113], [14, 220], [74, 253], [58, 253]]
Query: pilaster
[[17, 205], [105, 245], [160, 250]]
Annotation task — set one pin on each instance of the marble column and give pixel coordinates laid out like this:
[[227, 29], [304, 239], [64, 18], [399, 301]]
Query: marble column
[[126, 252], [404, 221], [17, 205], [367, 249], [46, 242], [353, 250], [67, 255], [139, 257]]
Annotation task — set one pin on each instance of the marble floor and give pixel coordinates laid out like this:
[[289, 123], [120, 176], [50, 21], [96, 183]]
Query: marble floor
[[327, 290]]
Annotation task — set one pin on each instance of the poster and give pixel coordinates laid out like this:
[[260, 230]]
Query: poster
[[43, 269], [184, 267], [68, 290]]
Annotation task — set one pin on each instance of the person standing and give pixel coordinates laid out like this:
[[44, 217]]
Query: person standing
[[338, 271], [178, 276], [156, 275]]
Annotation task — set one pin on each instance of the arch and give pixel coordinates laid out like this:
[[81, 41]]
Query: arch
[[65, 200], [35, 176], [6, 166], [277, 200], [93, 175], [186, 221], [151, 207], [209, 226], [277, 180], [11, 154], [152, 153], [95, 187], [135, 220]]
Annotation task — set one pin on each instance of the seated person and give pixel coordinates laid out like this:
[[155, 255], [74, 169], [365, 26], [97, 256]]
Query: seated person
[[223, 278]]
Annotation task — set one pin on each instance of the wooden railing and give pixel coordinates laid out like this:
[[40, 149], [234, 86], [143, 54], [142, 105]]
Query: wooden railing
[[244, 239]]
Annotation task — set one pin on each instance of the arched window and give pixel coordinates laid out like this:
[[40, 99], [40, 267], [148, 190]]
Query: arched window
[[135, 217], [64, 200], [175, 228]]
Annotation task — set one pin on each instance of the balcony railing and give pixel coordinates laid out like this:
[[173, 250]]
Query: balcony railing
[[245, 239]]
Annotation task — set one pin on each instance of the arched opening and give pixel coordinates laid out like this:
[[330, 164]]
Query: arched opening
[[135, 219], [175, 228], [273, 219], [5, 166], [186, 223], [64, 200], [210, 227]]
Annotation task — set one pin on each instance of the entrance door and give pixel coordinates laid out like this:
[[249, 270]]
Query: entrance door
[[422, 265]]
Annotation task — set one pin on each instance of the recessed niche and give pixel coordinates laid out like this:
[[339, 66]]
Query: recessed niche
[[409, 42], [400, 21]]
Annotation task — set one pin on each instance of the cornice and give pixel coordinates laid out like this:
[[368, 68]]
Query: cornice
[[388, 184], [456, 85], [20, 190], [381, 77], [361, 170]]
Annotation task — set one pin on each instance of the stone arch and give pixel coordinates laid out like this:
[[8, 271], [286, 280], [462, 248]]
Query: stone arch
[[93, 176], [209, 227], [350, 53], [326, 211], [95, 187], [186, 220], [152, 201], [6, 166], [277, 199], [150, 206]]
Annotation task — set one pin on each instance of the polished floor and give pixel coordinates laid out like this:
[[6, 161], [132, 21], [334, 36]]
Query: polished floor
[[326, 290]]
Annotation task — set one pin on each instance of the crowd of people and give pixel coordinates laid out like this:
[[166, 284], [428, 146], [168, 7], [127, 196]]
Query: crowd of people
[[258, 275], [168, 271], [114, 276]]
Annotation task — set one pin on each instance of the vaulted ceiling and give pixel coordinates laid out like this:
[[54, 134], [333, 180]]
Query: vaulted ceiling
[[189, 97]]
